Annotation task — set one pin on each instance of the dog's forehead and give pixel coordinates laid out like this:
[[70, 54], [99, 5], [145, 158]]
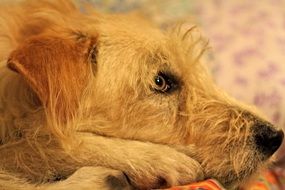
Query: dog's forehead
[[131, 40], [136, 35], [129, 31]]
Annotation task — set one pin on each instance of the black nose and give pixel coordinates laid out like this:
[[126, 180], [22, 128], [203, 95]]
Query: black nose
[[267, 138]]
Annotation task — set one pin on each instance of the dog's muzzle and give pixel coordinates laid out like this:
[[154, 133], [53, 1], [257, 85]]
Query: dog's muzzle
[[267, 139]]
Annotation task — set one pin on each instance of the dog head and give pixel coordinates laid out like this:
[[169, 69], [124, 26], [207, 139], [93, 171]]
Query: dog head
[[127, 79]]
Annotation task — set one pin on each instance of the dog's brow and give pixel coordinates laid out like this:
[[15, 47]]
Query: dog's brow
[[158, 57], [163, 59]]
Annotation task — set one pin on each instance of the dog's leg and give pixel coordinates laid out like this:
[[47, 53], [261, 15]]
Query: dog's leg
[[86, 178], [147, 165], [90, 178], [10, 182]]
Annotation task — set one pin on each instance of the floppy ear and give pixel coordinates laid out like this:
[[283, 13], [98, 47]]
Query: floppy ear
[[56, 68]]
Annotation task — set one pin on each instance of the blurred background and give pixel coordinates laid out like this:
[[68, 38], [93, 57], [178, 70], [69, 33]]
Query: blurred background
[[248, 47]]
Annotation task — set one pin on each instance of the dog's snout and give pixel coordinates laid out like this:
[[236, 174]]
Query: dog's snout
[[267, 138]]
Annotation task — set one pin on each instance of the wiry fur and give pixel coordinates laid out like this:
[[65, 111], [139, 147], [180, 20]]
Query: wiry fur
[[78, 91]]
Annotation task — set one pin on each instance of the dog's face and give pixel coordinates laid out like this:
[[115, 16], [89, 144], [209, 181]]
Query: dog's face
[[122, 77]]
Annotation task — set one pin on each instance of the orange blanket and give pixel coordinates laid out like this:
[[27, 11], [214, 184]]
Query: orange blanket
[[269, 180], [203, 185]]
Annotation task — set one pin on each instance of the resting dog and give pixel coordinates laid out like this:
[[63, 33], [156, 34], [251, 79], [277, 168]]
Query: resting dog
[[92, 101]]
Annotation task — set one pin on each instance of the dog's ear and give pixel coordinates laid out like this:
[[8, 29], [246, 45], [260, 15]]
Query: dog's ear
[[56, 68]]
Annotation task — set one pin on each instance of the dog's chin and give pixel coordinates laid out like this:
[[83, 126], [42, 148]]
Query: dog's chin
[[234, 180], [232, 177]]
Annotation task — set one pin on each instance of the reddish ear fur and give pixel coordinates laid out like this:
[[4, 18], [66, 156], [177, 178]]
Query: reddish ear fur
[[56, 68]]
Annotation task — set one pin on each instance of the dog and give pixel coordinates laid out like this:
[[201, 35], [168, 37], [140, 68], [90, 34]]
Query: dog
[[97, 101]]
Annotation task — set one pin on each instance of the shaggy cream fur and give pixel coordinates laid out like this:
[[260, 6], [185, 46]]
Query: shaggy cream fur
[[78, 98]]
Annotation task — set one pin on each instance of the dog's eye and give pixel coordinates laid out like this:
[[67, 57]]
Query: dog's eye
[[164, 83]]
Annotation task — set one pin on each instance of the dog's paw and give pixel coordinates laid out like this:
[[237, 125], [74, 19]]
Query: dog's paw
[[118, 181], [164, 167], [90, 178]]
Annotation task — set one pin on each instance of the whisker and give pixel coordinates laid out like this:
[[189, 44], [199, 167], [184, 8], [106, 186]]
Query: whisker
[[188, 32], [201, 53]]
